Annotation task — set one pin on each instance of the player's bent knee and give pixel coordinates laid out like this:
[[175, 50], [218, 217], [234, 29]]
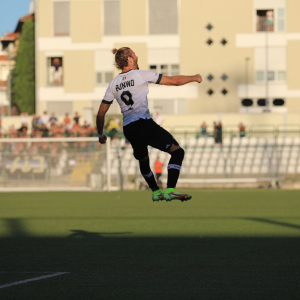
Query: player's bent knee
[[178, 154], [141, 156], [173, 148], [145, 158]]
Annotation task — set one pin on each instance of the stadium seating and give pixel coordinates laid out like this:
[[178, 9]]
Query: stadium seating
[[246, 157]]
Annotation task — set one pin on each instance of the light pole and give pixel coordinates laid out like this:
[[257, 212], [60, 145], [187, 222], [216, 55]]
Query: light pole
[[267, 109], [246, 77]]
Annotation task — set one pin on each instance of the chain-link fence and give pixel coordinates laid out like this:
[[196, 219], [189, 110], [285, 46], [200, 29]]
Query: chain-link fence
[[66, 163], [84, 164]]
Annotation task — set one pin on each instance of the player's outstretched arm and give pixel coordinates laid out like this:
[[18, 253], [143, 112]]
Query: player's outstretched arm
[[180, 80], [100, 121]]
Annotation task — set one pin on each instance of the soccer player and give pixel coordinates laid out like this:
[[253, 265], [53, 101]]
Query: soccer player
[[130, 89]]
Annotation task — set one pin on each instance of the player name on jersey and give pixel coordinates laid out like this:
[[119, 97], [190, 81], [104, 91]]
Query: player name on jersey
[[125, 84]]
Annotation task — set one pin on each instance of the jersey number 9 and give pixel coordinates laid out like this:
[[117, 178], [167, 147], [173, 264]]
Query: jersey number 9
[[127, 98]]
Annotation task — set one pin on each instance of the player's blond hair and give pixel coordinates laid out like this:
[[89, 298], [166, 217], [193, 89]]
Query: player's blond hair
[[121, 57]]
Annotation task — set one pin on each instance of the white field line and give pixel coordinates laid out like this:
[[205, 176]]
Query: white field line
[[31, 279], [28, 272]]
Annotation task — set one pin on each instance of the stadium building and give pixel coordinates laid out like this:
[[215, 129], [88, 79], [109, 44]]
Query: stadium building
[[74, 61]]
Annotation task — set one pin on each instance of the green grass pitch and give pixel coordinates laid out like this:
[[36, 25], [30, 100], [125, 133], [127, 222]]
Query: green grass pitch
[[222, 244]]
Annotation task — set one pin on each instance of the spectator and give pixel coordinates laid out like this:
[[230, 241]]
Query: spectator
[[57, 130], [12, 132], [219, 133], [215, 132], [75, 130], [23, 130], [52, 119], [270, 20], [42, 126], [86, 125], [45, 118], [24, 118], [158, 170], [34, 122], [242, 129], [113, 127], [76, 118], [158, 118], [57, 72], [203, 129], [67, 123]]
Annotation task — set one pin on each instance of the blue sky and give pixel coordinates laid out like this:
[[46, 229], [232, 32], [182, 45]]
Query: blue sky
[[10, 13]]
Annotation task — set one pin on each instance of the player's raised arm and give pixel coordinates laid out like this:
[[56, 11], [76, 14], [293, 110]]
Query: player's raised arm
[[180, 80], [100, 121]]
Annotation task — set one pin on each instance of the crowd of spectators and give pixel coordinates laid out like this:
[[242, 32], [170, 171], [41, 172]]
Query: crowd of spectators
[[48, 126], [217, 131]]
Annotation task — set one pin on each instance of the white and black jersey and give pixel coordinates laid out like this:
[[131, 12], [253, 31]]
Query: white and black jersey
[[130, 89]]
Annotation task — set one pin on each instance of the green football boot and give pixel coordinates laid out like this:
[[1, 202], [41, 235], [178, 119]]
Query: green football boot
[[172, 194], [158, 195]]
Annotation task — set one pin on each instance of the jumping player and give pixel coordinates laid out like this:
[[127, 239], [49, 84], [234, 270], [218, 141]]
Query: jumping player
[[130, 89]]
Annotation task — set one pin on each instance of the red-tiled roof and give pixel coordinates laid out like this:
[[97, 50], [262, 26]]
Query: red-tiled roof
[[11, 36], [26, 17]]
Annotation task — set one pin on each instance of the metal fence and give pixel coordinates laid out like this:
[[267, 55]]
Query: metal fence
[[52, 163], [84, 164]]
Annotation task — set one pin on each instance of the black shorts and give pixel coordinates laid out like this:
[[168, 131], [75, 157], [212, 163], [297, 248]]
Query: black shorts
[[144, 133]]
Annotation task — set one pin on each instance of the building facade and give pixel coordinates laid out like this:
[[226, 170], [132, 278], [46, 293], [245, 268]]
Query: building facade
[[235, 45]]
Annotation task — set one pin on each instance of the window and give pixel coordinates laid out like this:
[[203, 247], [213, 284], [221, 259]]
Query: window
[[163, 17], [61, 18], [55, 71], [112, 16], [210, 92], [261, 102], [104, 77], [224, 42], [278, 102], [281, 75], [260, 75], [281, 19], [224, 77], [174, 70], [247, 102], [210, 77], [224, 92], [265, 20], [166, 70], [271, 75], [209, 42], [209, 26]]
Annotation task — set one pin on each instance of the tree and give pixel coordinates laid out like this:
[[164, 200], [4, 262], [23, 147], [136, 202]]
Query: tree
[[23, 75]]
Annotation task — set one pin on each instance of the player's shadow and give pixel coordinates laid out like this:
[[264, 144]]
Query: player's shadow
[[91, 235], [273, 222]]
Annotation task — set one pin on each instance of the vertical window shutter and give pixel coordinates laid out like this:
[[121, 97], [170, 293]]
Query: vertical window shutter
[[163, 17], [112, 20], [61, 18]]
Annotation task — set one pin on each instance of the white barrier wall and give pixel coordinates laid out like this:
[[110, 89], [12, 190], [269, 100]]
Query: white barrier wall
[[171, 121]]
